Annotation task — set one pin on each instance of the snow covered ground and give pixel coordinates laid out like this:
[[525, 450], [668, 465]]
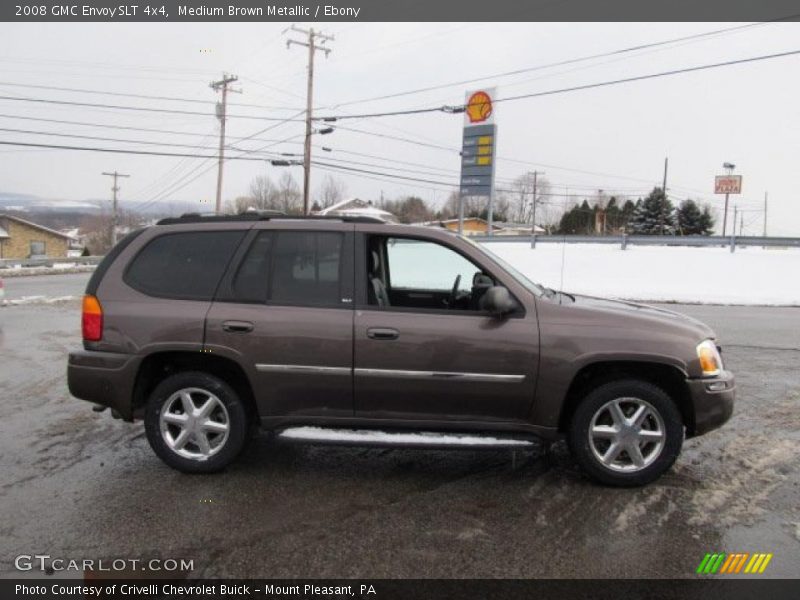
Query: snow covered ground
[[749, 276]]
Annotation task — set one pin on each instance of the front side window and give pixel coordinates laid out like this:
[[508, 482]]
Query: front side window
[[183, 265], [419, 264], [421, 274], [300, 268]]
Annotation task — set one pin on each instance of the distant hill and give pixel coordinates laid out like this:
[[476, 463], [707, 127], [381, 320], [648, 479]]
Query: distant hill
[[31, 204], [34, 204]]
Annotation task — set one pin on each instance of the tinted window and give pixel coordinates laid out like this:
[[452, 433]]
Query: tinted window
[[183, 265], [291, 267]]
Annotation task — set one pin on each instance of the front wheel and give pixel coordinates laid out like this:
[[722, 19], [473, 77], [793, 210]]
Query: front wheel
[[195, 422], [626, 433]]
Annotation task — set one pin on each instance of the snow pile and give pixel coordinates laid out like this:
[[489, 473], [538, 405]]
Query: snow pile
[[56, 269], [25, 300], [749, 276]]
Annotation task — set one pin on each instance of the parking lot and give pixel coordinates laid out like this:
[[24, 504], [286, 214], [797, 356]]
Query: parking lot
[[77, 484]]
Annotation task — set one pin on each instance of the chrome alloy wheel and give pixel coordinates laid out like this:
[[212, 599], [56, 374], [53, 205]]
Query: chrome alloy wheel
[[627, 434], [194, 423]]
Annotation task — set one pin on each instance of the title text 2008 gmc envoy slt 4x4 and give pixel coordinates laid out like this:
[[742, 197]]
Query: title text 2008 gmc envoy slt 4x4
[[355, 330]]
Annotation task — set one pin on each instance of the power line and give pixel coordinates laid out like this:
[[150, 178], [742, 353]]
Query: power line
[[145, 129], [97, 138], [461, 108], [132, 95], [134, 108], [123, 151], [558, 63]]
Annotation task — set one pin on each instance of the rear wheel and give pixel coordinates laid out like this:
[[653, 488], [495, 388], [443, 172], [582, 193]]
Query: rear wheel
[[626, 433], [196, 423]]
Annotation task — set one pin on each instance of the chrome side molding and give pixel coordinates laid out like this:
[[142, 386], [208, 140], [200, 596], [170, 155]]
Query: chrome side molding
[[482, 377], [304, 369], [392, 373]]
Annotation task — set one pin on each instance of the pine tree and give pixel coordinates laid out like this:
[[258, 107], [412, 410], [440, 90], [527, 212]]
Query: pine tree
[[706, 222], [654, 215], [627, 213], [688, 217]]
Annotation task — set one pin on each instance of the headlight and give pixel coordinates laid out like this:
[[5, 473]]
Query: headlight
[[710, 360]]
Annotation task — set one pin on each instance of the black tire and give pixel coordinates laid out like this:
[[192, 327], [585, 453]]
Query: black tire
[[227, 449], [582, 449]]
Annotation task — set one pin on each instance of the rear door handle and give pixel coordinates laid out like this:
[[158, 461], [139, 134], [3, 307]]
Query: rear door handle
[[237, 326], [382, 333]]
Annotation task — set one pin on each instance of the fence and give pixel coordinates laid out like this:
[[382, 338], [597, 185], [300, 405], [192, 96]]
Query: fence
[[646, 240]]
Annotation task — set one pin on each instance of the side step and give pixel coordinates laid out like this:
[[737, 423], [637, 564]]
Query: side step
[[423, 439]]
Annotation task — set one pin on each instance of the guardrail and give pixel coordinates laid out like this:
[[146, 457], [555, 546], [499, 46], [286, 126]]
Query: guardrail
[[48, 262], [646, 240]]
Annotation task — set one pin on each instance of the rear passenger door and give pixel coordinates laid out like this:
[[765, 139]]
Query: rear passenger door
[[284, 311]]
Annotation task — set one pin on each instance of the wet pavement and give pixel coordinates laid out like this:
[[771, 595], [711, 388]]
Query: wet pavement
[[81, 485]]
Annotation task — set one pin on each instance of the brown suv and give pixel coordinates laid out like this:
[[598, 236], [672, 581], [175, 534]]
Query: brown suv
[[354, 330]]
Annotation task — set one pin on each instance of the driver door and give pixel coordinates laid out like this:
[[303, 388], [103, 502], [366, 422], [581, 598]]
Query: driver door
[[426, 352]]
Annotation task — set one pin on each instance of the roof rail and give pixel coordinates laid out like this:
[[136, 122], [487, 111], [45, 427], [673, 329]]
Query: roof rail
[[265, 215]]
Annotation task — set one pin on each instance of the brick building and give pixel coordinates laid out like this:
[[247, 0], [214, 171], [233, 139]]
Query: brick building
[[23, 239]]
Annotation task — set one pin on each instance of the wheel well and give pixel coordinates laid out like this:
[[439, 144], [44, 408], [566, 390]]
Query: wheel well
[[668, 378], [156, 367]]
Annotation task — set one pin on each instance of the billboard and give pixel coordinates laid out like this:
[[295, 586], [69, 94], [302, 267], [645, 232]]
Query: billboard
[[479, 143], [728, 184]]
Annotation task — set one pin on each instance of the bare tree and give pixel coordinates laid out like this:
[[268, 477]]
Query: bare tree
[[521, 198], [331, 191], [287, 195], [239, 205], [262, 192]]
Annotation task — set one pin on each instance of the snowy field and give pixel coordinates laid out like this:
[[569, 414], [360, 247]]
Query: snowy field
[[750, 276]]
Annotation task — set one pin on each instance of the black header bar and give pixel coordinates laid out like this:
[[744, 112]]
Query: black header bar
[[155, 11]]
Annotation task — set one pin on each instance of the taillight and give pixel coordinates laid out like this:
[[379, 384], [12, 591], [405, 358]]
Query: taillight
[[92, 319]]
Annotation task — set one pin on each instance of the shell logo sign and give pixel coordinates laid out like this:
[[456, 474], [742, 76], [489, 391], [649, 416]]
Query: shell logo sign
[[479, 108]]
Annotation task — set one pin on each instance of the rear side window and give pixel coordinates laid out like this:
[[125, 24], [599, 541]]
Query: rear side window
[[183, 265], [292, 267]]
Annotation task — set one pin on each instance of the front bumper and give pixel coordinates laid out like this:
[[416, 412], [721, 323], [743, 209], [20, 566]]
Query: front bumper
[[103, 378], [712, 399]]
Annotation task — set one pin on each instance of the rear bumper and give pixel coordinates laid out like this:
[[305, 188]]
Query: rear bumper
[[713, 400], [104, 378]]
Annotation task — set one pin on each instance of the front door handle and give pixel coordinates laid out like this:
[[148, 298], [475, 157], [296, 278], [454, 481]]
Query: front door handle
[[382, 333], [237, 326]]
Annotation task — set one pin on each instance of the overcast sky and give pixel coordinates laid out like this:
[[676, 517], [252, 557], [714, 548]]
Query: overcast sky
[[613, 138]]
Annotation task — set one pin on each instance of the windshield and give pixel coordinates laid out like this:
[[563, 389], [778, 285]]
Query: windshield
[[522, 279]]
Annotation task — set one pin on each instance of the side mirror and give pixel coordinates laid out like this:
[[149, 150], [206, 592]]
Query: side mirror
[[498, 301]]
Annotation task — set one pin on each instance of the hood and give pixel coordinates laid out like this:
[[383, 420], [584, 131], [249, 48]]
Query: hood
[[643, 313]]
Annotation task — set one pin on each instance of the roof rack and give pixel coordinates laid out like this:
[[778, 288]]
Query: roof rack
[[263, 215]]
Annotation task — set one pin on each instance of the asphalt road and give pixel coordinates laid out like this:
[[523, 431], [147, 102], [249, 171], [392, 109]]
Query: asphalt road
[[50, 286], [77, 484]]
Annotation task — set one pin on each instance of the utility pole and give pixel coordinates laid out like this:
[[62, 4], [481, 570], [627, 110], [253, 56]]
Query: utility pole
[[664, 190], [222, 109], [114, 218], [535, 182], [312, 46]]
